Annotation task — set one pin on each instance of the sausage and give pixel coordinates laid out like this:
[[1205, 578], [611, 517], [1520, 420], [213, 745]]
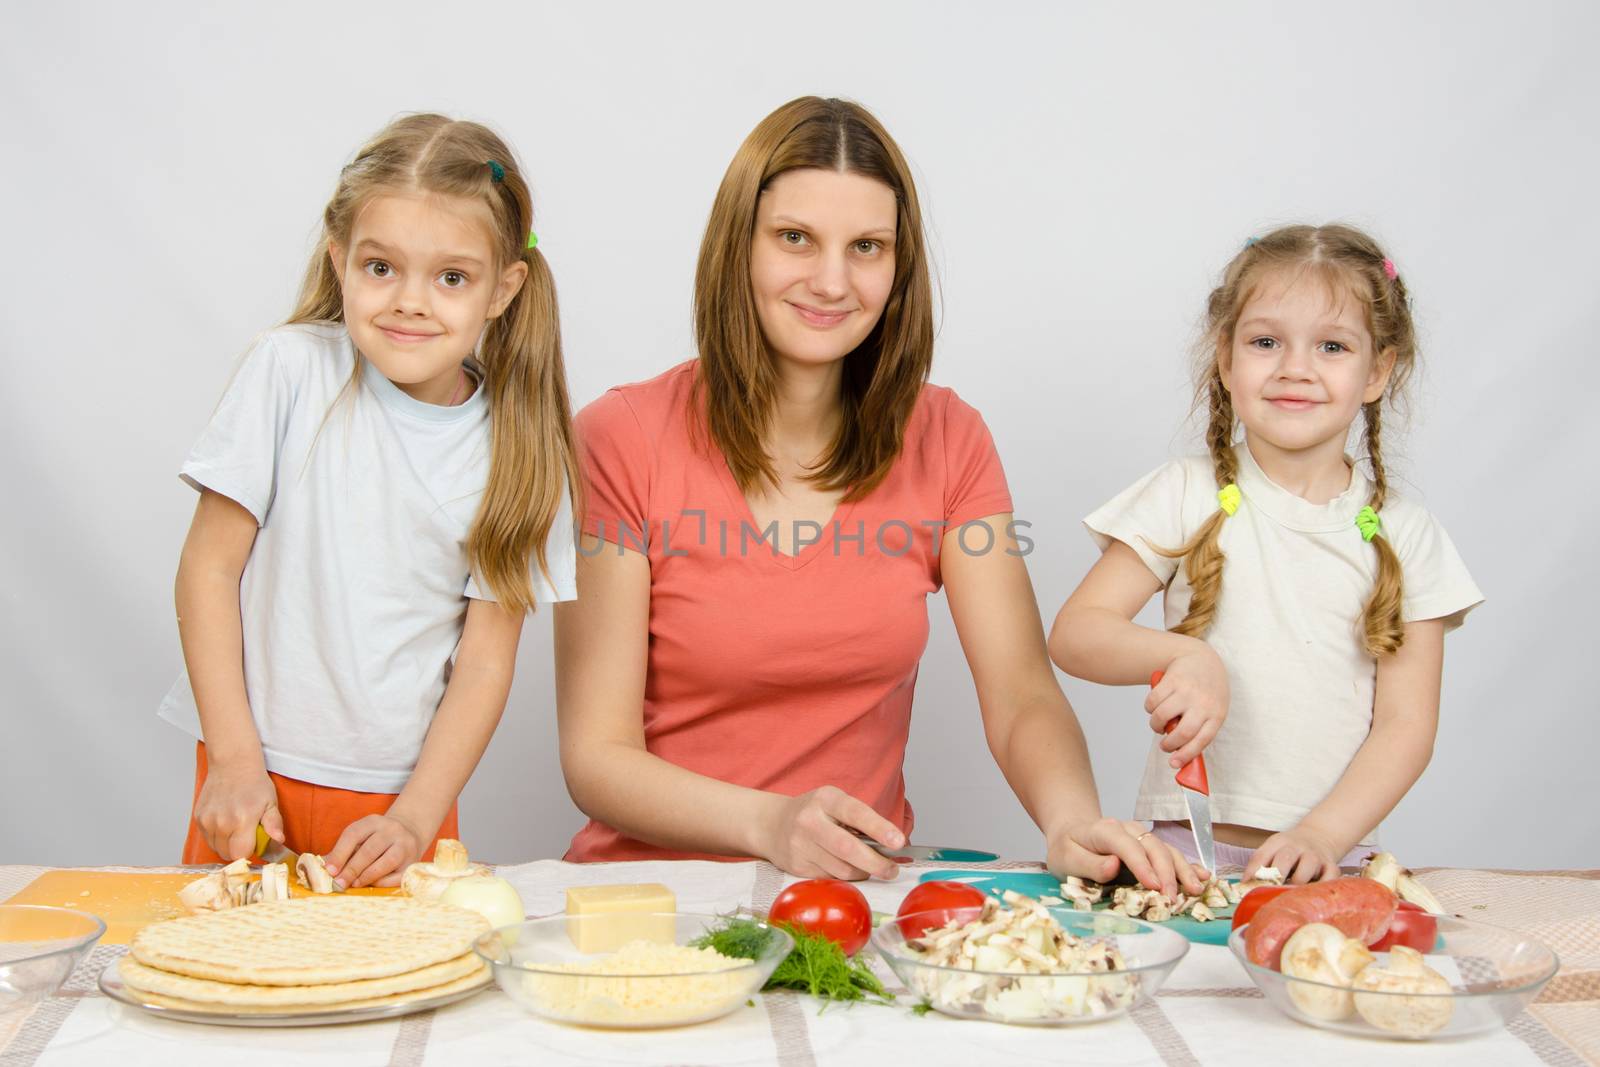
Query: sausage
[[1358, 907]]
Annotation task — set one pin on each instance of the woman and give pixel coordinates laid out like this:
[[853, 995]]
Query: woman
[[763, 526]]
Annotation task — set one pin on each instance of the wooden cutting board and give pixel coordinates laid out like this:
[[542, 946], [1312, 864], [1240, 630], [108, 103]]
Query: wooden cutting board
[[126, 902]]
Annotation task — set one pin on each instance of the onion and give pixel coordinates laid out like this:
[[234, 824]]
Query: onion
[[493, 897]]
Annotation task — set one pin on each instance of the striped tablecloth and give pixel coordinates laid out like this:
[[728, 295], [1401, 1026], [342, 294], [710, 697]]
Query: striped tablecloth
[[1208, 1013]]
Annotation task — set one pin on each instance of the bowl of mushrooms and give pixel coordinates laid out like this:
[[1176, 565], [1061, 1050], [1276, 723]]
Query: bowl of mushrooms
[[1473, 979], [1016, 960]]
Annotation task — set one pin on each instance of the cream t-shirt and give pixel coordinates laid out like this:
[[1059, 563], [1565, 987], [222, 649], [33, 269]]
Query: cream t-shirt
[[355, 594], [1287, 627]]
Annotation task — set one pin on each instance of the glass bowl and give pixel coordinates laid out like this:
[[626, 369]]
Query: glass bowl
[[39, 947], [1150, 952], [1493, 974], [540, 966]]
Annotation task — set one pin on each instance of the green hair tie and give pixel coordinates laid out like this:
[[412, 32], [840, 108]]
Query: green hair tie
[[496, 171], [1368, 523], [1228, 498], [533, 239]]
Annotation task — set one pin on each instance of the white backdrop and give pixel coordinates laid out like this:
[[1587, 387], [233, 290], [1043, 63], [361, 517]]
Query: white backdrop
[[1086, 171]]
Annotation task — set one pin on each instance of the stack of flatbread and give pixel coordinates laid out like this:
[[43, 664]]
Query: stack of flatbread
[[306, 956]]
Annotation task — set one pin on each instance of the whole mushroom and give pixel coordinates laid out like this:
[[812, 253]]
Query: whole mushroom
[[428, 881], [1322, 953], [1402, 996]]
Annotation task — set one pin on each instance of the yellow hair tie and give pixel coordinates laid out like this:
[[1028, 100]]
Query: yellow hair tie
[[1368, 523], [1228, 498]]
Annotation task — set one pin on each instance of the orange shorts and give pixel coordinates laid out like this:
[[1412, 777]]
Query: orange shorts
[[313, 815]]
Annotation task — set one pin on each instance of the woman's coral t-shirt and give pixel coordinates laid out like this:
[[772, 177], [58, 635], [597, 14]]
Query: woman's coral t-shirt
[[775, 672]]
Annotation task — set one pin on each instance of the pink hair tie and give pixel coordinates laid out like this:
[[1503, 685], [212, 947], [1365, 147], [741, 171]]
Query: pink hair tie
[[1389, 270]]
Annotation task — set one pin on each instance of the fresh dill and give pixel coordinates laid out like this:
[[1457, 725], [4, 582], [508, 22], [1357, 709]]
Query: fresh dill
[[736, 938], [817, 965]]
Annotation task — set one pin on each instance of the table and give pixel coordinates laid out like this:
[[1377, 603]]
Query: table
[[1208, 1013]]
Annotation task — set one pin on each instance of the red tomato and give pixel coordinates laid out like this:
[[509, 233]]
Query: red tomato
[[933, 904], [1412, 927], [836, 910], [1251, 902]]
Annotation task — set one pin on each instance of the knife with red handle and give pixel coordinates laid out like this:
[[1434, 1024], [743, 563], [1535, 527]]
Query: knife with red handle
[[1196, 789]]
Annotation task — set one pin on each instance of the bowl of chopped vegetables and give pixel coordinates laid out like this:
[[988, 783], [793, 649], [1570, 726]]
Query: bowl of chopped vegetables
[[1015, 960], [633, 972]]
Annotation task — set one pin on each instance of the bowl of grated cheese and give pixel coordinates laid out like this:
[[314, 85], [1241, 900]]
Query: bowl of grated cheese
[[641, 983]]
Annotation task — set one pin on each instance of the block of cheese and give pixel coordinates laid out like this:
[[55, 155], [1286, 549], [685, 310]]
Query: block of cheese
[[603, 918]]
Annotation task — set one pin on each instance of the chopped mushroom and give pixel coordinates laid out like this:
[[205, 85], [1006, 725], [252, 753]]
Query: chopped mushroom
[[274, 882], [1154, 906], [1264, 876], [207, 894], [1386, 995], [1322, 953], [233, 887], [1084, 895], [1414, 891], [1384, 869], [313, 873], [241, 890]]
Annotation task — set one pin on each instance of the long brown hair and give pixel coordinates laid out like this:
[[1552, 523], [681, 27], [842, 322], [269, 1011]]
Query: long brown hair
[[736, 389], [1349, 259], [531, 458]]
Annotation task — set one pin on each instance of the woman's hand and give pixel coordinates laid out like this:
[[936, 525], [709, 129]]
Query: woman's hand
[[232, 801], [1096, 849], [1193, 690], [1302, 854], [375, 850], [810, 835]]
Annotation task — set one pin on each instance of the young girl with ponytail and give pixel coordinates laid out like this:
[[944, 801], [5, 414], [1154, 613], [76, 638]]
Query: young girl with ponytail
[[1305, 601], [383, 497]]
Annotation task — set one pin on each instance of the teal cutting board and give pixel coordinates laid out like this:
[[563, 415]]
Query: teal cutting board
[[1038, 883]]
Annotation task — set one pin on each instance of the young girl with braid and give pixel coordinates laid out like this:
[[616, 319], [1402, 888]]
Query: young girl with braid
[[1306, 602], [383, 497]]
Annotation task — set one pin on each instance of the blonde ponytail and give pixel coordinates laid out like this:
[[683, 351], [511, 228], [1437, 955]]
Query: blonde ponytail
[[532, 459], [1383, 622], [1202, 554]]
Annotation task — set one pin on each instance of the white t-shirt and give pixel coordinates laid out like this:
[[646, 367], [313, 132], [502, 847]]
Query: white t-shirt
[[355, 594], [1288, 627]]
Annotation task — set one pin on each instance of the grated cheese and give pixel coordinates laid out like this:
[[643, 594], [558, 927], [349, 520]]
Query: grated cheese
[[643, 983]]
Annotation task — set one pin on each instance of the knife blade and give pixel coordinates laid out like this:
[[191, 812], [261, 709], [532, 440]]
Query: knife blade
[[933, 854], [1196, 788], [926, 853], [270, 851]]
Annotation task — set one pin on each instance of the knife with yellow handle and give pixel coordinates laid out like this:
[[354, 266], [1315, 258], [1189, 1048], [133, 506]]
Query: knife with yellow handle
[[269, 851]]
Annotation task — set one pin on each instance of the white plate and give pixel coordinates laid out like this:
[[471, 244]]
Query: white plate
[[112, 985]]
